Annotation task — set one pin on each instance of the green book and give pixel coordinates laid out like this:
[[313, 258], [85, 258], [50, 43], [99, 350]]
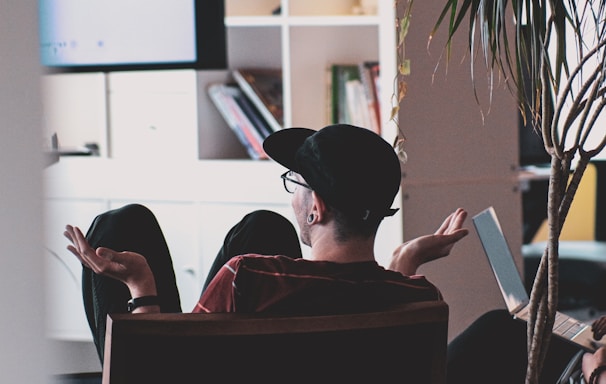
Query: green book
[[341, 74]]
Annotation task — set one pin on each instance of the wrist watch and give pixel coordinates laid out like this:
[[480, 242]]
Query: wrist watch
[[143, 301]]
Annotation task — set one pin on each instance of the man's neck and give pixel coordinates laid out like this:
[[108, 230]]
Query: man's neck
[[325, 248]]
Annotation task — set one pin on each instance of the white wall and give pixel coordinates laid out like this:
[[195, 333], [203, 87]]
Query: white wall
[[22, 354]]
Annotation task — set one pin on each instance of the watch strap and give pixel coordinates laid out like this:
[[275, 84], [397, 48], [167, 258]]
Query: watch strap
[[143, 301]]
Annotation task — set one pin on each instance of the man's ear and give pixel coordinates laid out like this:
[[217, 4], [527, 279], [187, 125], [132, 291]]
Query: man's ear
[[318, 207]]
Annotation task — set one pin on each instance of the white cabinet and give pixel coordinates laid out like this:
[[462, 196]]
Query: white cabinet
[[163, 144], [153, 114], [75, 109]]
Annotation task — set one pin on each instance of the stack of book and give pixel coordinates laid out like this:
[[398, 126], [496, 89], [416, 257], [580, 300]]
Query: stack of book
[[251, 106], [354, 94]]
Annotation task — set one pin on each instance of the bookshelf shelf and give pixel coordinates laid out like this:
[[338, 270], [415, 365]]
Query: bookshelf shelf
[[313, 21], [253, 21], [300, 21]]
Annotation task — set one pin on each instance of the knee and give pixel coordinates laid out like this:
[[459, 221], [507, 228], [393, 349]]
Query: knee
[[500, 327], [270, 223], [123, 218], [135, 209], [502, 320], [267, 217], [495, 316], [132, 213]]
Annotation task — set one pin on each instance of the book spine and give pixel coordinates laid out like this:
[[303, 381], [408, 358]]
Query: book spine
[[357, 105], [375, 70], [244, 123], [329, 93], [224, 103], [254, 98], [342, 73], [254, 116], [369, 82], [334, 97]]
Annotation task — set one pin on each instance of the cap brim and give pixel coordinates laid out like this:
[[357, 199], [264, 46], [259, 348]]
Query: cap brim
[[282, 146]]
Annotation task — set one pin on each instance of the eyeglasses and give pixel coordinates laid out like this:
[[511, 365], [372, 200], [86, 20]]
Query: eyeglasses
[[290, 183]]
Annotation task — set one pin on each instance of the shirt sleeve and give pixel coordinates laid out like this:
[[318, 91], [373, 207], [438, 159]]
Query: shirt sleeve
[[219, 296]]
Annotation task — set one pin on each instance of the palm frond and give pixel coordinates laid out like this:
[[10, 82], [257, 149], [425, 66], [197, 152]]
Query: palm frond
[[538, 36]]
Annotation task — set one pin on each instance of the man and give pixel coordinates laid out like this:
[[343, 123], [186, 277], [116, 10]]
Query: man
[[343, 179]]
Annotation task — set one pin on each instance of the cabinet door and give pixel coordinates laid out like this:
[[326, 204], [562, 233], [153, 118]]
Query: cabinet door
[[75, 109], [65, 312], [153, 115]]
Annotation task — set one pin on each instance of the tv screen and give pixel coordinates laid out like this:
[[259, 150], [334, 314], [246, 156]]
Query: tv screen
[[114, 35]]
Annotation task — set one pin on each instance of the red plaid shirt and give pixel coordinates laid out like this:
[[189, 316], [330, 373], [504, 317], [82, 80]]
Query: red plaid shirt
[[254, 283]]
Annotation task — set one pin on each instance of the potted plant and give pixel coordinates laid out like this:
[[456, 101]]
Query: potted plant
[[556, 49]]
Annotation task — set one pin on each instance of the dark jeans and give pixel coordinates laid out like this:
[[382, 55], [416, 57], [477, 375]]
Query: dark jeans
[[493, 350], [135, 228]]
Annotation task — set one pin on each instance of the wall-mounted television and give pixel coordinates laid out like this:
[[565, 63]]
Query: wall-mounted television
[[119, 35]]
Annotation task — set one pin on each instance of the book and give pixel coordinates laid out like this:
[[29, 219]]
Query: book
[[263, 87], [358, 111], [353, 95], [375, 71], [341, 74], [224, 98], [369, 76], [254, 115]]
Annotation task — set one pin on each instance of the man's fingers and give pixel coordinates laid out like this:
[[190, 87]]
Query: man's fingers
[[453, 222], [460, 233], [459, 217], [69, 233], [445, 224], [80, 239], [81, 248], [76, 253]]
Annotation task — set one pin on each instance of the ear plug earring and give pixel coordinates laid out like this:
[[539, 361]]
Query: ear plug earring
[[310, 218]]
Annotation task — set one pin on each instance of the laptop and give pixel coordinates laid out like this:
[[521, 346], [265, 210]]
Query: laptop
[[510, 283]]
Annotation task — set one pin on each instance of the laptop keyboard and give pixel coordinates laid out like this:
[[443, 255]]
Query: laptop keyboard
[[566, 326]]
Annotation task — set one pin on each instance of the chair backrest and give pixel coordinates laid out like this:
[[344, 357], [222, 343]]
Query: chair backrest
[[405, 344]]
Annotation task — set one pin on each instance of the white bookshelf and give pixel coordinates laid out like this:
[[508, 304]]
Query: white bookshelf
[[313, 35], [165, 145]]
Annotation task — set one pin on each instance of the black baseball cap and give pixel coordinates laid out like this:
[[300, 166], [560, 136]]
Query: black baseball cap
[[352, 168]]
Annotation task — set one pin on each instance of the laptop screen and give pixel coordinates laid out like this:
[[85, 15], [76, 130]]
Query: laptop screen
[[501, 261]]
